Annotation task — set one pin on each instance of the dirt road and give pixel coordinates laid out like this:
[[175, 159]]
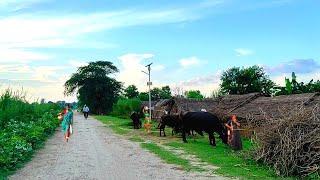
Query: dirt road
[[94, 152]]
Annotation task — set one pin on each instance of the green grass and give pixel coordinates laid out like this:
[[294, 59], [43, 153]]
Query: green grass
[[136, 139], [230, 163], [118, 125], [167, 156]]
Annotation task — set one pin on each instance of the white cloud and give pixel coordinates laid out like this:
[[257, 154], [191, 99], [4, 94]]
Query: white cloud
[[46, 74], [19, 55], [159, 67], [15, 68], [77, 63], [190, 61], [243, 52], [131, 67], [15, 5], [206, 83], [36, 31]]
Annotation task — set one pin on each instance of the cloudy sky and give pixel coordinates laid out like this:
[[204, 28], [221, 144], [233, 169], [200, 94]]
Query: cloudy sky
[[42, 42]]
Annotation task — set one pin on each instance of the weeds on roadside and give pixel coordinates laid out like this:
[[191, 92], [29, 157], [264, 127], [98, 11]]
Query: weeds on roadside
[[24, 128]]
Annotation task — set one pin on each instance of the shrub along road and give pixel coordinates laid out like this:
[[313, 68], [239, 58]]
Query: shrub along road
[[94, 152]]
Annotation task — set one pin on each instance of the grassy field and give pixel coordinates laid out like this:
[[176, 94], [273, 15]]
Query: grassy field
[[230, 163]]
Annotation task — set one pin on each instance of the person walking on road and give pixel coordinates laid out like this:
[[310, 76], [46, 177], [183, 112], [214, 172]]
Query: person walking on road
[[85, 111], [67, 123]]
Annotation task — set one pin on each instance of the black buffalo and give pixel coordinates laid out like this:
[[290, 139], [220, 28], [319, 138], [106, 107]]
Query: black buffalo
[[173, 122], [135, 116], [202, 121]]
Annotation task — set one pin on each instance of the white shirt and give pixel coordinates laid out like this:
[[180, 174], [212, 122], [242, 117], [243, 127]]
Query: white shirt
[[86, 109]]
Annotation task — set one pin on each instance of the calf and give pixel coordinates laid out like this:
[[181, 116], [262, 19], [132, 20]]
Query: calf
[[203, 121], [137, 124]]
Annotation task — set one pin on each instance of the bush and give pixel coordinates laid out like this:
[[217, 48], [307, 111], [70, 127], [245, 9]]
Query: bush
[[24, 128], [124, 107], [291, 144]]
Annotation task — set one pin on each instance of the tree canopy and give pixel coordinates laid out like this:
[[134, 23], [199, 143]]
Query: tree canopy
[[131, 92], [156, 94], [94, 87], [194, 94], [246, 80]]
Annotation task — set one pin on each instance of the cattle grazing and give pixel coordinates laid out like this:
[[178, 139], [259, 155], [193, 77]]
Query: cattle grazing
[[168, 120], [135, 116], [173, 122], [202, 121]]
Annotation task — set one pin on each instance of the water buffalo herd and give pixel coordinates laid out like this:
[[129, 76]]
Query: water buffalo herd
[[195, 121], [187, 123]]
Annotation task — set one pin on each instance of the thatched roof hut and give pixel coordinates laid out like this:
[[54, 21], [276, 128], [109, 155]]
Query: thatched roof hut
[[254, 105], [273, 106]]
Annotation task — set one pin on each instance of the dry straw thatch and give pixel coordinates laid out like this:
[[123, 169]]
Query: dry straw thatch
[[291, 142]]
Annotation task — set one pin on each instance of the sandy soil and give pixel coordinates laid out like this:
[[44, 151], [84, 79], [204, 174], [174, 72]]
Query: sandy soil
[[94, 152]]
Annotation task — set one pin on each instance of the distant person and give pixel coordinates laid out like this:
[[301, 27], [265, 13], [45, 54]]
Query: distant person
[[234, 139], [85, 111], [67, 123]]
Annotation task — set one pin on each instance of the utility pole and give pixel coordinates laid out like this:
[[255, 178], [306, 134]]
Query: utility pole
[[149, 84]]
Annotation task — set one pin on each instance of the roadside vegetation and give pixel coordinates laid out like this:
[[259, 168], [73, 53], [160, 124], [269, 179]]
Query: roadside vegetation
[[24, 127], [229, 162], [121, 102]]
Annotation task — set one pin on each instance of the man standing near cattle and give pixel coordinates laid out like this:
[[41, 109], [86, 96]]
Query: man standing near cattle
[[234, 139]]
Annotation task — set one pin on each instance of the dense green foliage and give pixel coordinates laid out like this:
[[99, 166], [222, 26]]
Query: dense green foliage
[[124, 107], [131, 92], [246, 80], [294, 87], [156, 94], [24, 127], [144, 96], [94, 87], [160, 93], [194, 94]]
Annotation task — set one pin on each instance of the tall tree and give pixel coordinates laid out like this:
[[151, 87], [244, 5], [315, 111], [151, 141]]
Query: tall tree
[[165, 92], [144, 96], [155, 94], [246, 80], [194, 94], [94, 87], [131, 92]]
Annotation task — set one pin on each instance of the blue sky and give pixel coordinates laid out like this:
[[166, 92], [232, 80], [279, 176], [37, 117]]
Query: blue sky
[[190, 42]]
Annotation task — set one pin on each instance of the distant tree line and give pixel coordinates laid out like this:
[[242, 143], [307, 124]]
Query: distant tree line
[[254, 79], [95, 86], [156, 93]]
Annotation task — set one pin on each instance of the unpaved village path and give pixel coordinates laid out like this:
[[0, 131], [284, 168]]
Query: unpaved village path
[[94, 152]]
